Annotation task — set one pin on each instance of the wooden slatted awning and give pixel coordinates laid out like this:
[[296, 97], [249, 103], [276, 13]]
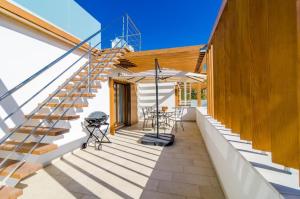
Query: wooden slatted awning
[[165, 76], [201, 60], [180, 58]]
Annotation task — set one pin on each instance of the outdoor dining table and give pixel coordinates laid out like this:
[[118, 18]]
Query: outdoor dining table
[[165, 115]]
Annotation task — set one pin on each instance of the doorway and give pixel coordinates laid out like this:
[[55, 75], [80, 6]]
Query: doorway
[[122, 104]]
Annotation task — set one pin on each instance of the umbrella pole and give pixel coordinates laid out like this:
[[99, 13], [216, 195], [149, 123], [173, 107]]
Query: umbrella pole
[[156, 88], [152, 138]]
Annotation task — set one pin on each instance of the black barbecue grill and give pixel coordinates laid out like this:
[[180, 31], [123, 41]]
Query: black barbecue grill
[[93, 124]]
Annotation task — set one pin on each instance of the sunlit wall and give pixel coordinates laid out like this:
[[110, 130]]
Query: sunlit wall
[[65, 14]]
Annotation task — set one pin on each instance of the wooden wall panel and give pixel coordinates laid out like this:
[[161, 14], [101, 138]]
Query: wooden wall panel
[[298, 71], [133, 105], [208, 81], [212, 108], [219, 75], [112, 116], [210, 89], [216, 73], [255, 45], [234, 69], [243, 61], [282, 24], [198, 87], [260, 80], [226, 26], [176, 96]]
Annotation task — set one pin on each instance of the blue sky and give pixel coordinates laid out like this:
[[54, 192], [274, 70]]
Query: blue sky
[[163, 23]]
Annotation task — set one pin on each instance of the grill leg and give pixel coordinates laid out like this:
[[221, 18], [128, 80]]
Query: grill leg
[[98, 140], [84, 145], [104, 135]]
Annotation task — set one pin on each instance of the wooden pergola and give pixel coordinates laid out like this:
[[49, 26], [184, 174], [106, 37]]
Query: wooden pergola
[[186, 59], [181, 64]]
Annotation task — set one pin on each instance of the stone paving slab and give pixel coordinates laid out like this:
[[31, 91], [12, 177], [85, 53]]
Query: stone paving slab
[[128, 169]]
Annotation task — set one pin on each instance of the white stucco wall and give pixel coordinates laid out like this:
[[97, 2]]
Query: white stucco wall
[[24, 51], [237, 165], [166, 97], [146, 95]]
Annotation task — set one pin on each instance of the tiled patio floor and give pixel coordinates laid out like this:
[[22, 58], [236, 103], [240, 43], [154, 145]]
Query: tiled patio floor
[[128, 169]]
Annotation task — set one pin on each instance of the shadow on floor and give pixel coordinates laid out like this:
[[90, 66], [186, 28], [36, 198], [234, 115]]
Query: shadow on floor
[[128, 169], [287, 192], [65, 180], [263, 166]]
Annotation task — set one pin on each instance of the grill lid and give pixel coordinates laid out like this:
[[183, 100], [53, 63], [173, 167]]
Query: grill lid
[[97, 115]]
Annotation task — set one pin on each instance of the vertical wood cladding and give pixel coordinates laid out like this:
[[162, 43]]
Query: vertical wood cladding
[[253, 81], [282, 22], [260, 86]]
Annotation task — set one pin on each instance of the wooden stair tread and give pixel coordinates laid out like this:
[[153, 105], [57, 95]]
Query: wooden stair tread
[[76, 95], [114, 50], [54, 116], [43, 130], [115, 61], [101, 68], [66, 105], [70, 87], [23, 171], [77, 79], [98, 70], [101, 65], [94, 74], [7, 192], [40, 149], [109, 59], [109, 56]]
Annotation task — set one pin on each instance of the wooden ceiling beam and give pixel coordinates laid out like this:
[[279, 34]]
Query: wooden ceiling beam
[[165, 51], [181, 54], [182, 59]]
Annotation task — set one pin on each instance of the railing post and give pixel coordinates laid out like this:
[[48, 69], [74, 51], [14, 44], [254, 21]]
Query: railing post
[[89, 66], [127, 29], [140, 48], [123, 28]]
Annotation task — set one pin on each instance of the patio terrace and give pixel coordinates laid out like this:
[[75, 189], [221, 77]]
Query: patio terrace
[[128, 169]]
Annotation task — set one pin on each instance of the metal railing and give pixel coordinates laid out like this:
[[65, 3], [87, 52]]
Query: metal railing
[[48, 84], [32, 77], [45, 119], [10, 92], [131, 35], [50, 65], [87, 78]]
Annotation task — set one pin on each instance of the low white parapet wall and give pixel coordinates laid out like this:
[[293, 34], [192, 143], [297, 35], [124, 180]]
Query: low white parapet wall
[[238, 178], [189, 114]]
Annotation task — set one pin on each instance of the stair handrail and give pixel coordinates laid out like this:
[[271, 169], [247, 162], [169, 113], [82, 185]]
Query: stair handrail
[[48, 99], [45, 119], [48, 84], [48, 66]]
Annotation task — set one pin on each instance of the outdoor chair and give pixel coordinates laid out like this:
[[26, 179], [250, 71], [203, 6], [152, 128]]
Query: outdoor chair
[[147, 116], [176, 117]]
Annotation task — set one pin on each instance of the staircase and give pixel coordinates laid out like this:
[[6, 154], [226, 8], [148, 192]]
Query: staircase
[[31, 137]]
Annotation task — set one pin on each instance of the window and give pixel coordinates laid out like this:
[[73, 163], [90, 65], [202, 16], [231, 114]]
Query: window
[[186, 93]]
